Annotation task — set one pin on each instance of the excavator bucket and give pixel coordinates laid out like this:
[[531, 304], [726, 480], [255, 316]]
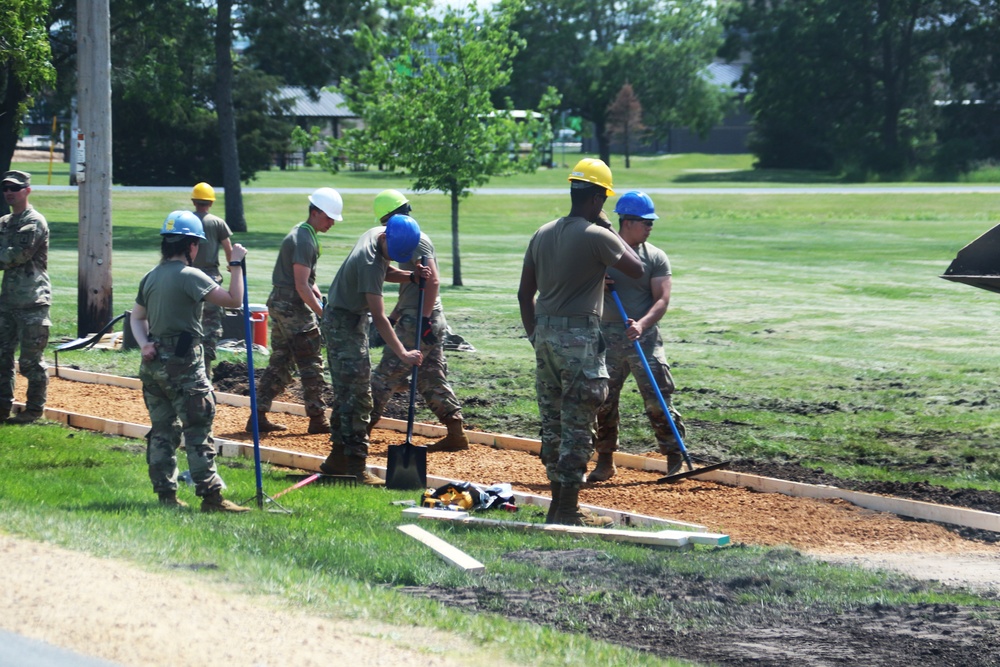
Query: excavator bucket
[[978, 264]]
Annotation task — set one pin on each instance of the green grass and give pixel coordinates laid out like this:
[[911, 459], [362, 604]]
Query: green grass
[[817, 323]]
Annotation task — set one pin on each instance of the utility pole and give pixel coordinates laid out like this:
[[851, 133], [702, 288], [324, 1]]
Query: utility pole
[[93, 42]]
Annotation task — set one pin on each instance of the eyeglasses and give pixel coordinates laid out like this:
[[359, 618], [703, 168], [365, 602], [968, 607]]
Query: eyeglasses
[[13, 188]]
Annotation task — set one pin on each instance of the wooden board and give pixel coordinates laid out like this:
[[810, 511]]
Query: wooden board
[[450, 554]]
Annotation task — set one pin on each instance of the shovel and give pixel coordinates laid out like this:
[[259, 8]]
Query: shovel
[[406, 468], [691, 471]]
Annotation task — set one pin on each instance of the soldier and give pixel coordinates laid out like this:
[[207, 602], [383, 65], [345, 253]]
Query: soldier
[[391, 374], [217, 235], [356, 293], [25, 298], [295, 307], [166, 323], [645, 299], [565, 266]]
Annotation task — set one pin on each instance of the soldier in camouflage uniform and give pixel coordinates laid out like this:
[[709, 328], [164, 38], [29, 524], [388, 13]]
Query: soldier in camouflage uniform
[[217, 235], [645, 299], [295, 307], [392, 373], [565, 266], [25, 298], [166, 323], [356, 293]]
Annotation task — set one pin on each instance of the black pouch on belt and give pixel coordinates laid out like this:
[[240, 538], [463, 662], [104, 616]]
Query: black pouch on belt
[[183, 344]]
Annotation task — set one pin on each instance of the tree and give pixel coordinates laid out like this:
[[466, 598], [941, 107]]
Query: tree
[[425, 102], [25, 68], [625, 118], [588, 48], [841, 84]]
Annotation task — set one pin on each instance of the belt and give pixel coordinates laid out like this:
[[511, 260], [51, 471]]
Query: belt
[[576, 321]]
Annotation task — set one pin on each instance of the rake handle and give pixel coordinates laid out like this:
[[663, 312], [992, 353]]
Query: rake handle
[[652, 379]]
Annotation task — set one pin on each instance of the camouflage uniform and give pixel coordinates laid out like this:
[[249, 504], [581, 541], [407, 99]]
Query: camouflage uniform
[[295, 335], [569, 257], [207, 259], [636, 295], [392, 373], [345, 328], [174, 384], [25, 298]]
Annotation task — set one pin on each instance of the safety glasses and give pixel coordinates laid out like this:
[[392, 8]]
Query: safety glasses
[[647, 223], [13, 187]]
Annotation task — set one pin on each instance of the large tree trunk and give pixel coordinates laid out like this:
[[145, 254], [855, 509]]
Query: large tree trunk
[[13, 94], [227, 117], [456, 257], [603, 143]]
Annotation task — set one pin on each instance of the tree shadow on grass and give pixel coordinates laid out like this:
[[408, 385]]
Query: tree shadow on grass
[[791, 176]]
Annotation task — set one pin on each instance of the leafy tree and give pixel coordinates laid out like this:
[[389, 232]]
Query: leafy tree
[[588, 48], [625, 118], [425, 102], [25, 68], [841, 84]]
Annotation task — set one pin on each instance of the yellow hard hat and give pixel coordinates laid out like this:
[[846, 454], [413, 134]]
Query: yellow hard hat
[[592, 170], [203, 192]]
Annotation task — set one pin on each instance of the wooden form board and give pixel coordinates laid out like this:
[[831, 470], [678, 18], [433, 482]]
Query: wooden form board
[[909, 508], [450, 554], [662, 538]]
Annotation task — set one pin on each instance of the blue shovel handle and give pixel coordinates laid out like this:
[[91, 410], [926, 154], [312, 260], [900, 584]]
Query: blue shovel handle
[[652, 379]]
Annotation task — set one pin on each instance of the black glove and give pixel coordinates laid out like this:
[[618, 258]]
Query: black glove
[[427, 334]]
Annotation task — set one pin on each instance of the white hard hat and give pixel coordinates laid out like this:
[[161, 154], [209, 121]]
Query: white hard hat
[[329, 201]]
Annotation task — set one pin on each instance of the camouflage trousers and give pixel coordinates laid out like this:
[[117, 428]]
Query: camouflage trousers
[[623, 360], [211, 327], [295, 340], [571, 383], [28, 329], [393, 374], [348, 357], [180, 402]]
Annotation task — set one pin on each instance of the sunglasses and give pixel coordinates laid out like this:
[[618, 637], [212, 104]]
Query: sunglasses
[[13, 188], [647, 223]]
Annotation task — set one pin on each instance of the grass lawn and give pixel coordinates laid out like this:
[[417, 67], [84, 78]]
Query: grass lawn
[[805, 328]]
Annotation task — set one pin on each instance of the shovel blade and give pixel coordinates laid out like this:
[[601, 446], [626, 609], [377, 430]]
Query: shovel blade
[[406, 468]]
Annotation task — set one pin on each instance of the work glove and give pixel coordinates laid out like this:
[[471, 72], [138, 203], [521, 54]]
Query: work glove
[[427, 335]]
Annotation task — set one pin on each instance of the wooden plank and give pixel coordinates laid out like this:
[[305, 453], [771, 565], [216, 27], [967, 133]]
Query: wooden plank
[[663, 538], [449, 553], [901, 506], [434, 512]]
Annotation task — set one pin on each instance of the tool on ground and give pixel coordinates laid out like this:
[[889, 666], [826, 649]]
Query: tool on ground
[[406, 467], [252, 388], [691, 471]]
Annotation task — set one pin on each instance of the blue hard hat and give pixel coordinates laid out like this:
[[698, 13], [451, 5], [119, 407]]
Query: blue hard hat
[[636, 204], [402, 234], [182, 223]]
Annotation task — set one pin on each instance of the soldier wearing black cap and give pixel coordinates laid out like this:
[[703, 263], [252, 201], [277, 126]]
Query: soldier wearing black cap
[[25, 298]]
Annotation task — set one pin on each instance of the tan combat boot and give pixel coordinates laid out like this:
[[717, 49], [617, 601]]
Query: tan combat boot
[[357, 468], [214, 502], [25, 417], [556, 488], [336, 461], [264, 425], [319, 424], [605, 468], [571, 514], [455, 441], [674, 462], [170, 499]]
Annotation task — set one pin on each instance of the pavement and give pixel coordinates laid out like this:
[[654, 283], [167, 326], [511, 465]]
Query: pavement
[[25, 652]]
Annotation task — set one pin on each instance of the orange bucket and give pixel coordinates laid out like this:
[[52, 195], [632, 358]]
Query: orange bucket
[[258, 322]]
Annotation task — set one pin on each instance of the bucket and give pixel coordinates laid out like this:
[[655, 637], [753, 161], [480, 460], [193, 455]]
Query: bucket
[[258, 322]]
